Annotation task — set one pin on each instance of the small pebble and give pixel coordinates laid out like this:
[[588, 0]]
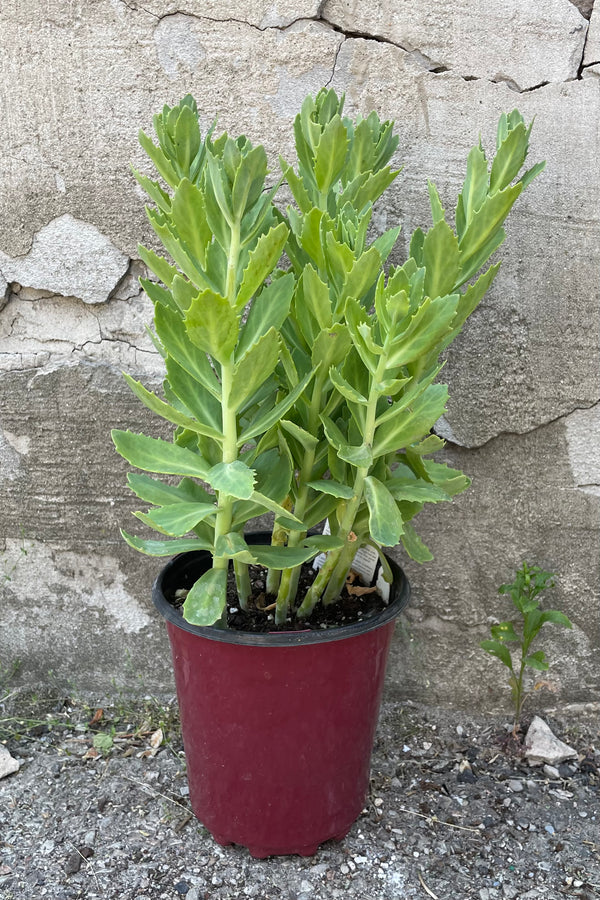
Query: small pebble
[[460, 730], [549, 829], [182, 887], [551, 771], [515, 785], [344, 869]]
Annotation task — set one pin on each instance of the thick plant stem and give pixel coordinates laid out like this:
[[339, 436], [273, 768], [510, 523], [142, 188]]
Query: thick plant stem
[[332, 576], [242, 581], [288, 586]]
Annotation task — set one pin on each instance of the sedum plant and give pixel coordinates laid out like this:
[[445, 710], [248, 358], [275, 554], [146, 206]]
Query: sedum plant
[[300, 375], [529, 582]]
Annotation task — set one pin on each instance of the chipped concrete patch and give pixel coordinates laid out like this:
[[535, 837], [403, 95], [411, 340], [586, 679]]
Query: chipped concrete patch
[[71, 258], [10, 459], [505, 41], [38, 330], [51, 581], [583, 439]]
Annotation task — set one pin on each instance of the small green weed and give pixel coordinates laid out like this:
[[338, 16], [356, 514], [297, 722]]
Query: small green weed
[[529, 582]]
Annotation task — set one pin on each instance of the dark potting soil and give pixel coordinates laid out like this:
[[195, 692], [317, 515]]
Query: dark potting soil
[[357, 603]]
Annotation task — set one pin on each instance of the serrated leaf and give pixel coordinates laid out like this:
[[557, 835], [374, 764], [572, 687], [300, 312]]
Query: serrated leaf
[[412, 424], [273, 414], [504, 631], [254, 368], [427, 327], [157, 264], [261, 262], [249, 180], [156, 455], [159, 159], [283, 557], [269, 309], [174, 338], [385, 521], [333, 488], [202, 404], [441, 259], [330, 154], [475, 187], [177, 518], [415, 490], [212, 325], [165, 548], [509, 158], [168, 412], [206, 600], [484, 225], [233, 546], [346, 389], [307, 440], [189, 217], [232, 478], [414, 546], [160, 494]]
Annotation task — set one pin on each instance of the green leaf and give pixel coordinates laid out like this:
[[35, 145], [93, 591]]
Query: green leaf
[[532, 173], [441, 260], [475, 187], [509, 158], [414, 546], [452, 481], [160, 494], [429, 324], [437, 210], [233, 546], [412, 424], [165, 548], [504, 631], [269, 309], [168, 412], [385, 521], [346, 389], [206, 600], [262, 260], [159, 159], [212, 325], [234, 479], [537, 661], [266, 502], [308, 441], [273, 414], [359, 456], [202, 404], [283, 557], [156, 455], [168, 235], [498, 649], [314, 293], [254, 368], [177, 518], [174, 338], [330, 155], [186, 137], [333, 488], [249, 181], [189, 217], [331, 346], [415, 490], [323, 542], [158, 264], [470, 299], [484, 225], [556, 617], [154, 191]]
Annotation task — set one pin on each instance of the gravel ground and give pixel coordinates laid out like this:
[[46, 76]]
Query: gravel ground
[[99, 809]]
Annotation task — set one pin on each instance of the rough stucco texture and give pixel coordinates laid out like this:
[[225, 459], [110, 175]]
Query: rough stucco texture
[[78, 81]]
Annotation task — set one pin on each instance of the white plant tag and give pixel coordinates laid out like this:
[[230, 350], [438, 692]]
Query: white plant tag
[[366, 564]]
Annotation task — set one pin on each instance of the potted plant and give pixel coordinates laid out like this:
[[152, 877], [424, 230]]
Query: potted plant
[[301, 381]]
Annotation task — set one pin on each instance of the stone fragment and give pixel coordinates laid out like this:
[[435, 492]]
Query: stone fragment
[[8, 764], [542, 746], [71, 258]]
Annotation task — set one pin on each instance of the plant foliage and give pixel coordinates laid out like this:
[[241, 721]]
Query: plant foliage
[[308, 388]]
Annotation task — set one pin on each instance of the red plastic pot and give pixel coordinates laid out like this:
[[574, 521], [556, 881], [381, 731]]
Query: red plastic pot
[[277, 728]]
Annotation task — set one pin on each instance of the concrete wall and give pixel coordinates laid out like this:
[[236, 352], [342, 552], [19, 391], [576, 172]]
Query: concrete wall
[[77, 81]]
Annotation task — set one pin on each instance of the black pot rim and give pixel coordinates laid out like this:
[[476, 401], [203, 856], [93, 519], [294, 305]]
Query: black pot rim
[[399, 591]]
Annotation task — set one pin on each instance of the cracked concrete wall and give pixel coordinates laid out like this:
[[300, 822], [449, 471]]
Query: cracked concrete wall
[[77, 82]]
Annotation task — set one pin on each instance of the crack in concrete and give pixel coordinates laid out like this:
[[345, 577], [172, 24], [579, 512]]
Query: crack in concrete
[[501, 434], [417, 55]]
